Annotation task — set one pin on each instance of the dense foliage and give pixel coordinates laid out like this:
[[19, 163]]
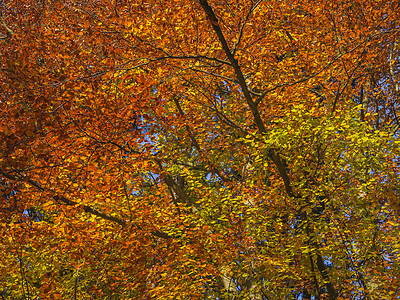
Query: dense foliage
[[194, 149]]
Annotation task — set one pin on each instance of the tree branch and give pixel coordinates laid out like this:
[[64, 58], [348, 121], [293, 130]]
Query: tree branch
[[234, 62], [242, 82], [86, 208]]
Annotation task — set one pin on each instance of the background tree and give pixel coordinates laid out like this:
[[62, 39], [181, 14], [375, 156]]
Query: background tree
[[199, 149]]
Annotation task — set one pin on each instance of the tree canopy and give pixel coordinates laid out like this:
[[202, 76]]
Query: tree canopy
[[199, 149]]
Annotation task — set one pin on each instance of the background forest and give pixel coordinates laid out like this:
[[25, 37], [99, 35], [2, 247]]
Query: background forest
[[199, 149]]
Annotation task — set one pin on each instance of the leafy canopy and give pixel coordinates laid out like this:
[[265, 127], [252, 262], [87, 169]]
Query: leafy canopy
[[199, 149]]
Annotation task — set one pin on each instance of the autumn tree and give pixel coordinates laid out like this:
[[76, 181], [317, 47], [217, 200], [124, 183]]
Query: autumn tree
[[199, 149]]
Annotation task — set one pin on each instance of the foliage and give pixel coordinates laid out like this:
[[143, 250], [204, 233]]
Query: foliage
[[199, 149]]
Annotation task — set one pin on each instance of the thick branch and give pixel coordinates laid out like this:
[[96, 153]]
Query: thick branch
[[324, 272], [322, 268], [234, 62], [282, 172], [86, 208], [252, 105]]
